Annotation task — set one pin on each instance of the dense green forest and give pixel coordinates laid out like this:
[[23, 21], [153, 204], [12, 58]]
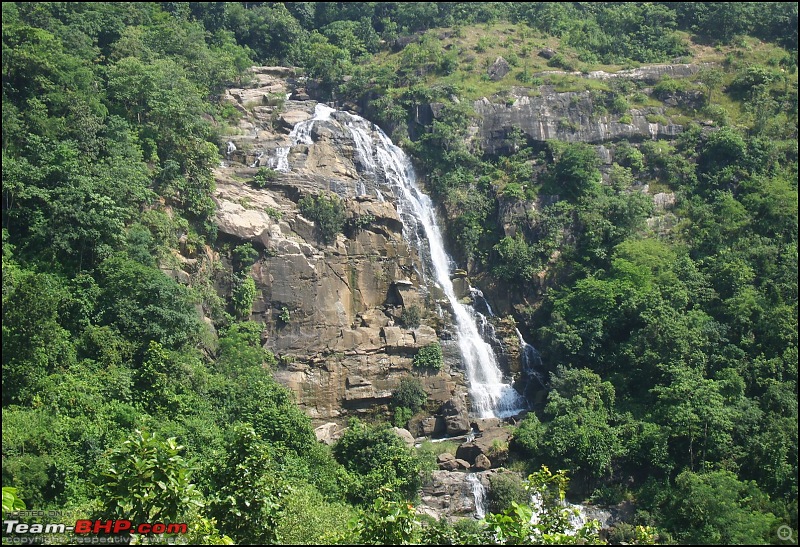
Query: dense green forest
[[671, 347]]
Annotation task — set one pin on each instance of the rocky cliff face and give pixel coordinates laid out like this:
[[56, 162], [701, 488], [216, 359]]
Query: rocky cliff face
[[541, 113], [569, 117], [331, 311]]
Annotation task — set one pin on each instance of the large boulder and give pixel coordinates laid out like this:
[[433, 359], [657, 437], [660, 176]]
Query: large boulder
[[404, 434], [456, 417], [499, 69]]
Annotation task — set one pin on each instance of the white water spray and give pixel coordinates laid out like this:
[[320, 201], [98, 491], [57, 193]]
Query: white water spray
[[478, 494]]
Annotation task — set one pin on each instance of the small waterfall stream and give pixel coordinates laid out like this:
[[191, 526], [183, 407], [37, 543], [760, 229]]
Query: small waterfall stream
[[383, 163], [479, 494]]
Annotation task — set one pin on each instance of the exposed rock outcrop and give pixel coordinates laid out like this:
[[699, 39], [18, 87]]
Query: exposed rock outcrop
[[450, 495], [543, 114], [498, 70], [328, 309], [569, 117]]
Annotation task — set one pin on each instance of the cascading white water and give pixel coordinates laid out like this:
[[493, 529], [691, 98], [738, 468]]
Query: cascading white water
[[300, 134], [531, 360], [478, 494], [490, 396]]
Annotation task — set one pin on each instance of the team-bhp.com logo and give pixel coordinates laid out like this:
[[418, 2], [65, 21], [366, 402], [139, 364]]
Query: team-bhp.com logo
[[96, 531]]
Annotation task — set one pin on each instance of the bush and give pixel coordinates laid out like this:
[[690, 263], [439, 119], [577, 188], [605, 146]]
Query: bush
[[264, 177], [668, 87], [327, 211], [505, 488], [401, 416], [429, 357], [411, 316], [244, 294], [409, 394], [376, 458]]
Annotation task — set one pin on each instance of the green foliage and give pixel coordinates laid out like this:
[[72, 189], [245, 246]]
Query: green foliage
[[411, 316], [376, 458], [516, 525], [328, 213], [247, 501], [11, 502], [34, 342], [240, 349], [401, 416], [264, 177], [429, 357], [284, 315], [307, 518], [715, 508], [516, 260], [575, 172], [389, 522], [667, 87], [148, 480], [145, 304], [505, 488], [243, 295], [244, 256], [409, 394]]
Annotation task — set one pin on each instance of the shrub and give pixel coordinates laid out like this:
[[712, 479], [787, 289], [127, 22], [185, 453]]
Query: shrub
[[244, 256], [401, 416], [411, 316], [505, 488], [244, 293], [429, 357], [667, 87], [328, 213], [410, 395], [376, 458], [264, 177]]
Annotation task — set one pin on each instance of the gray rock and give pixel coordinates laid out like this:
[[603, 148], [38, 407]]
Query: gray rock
[[469, 452], [482, 463], [328, 433], [404, 434], [547, 53], [499, 69]]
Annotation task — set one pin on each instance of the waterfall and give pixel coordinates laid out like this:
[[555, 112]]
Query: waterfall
[[531, 361], [300, 134], [479, 494], [257, 163], [490, 396]]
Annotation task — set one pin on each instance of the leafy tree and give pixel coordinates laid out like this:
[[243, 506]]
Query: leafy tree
[[505, 488], [148, 480], [146, 305], [516, 261], [409, 394], [375, 457], [247, 502], [715, 508], [575, 172], [34, 343]]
